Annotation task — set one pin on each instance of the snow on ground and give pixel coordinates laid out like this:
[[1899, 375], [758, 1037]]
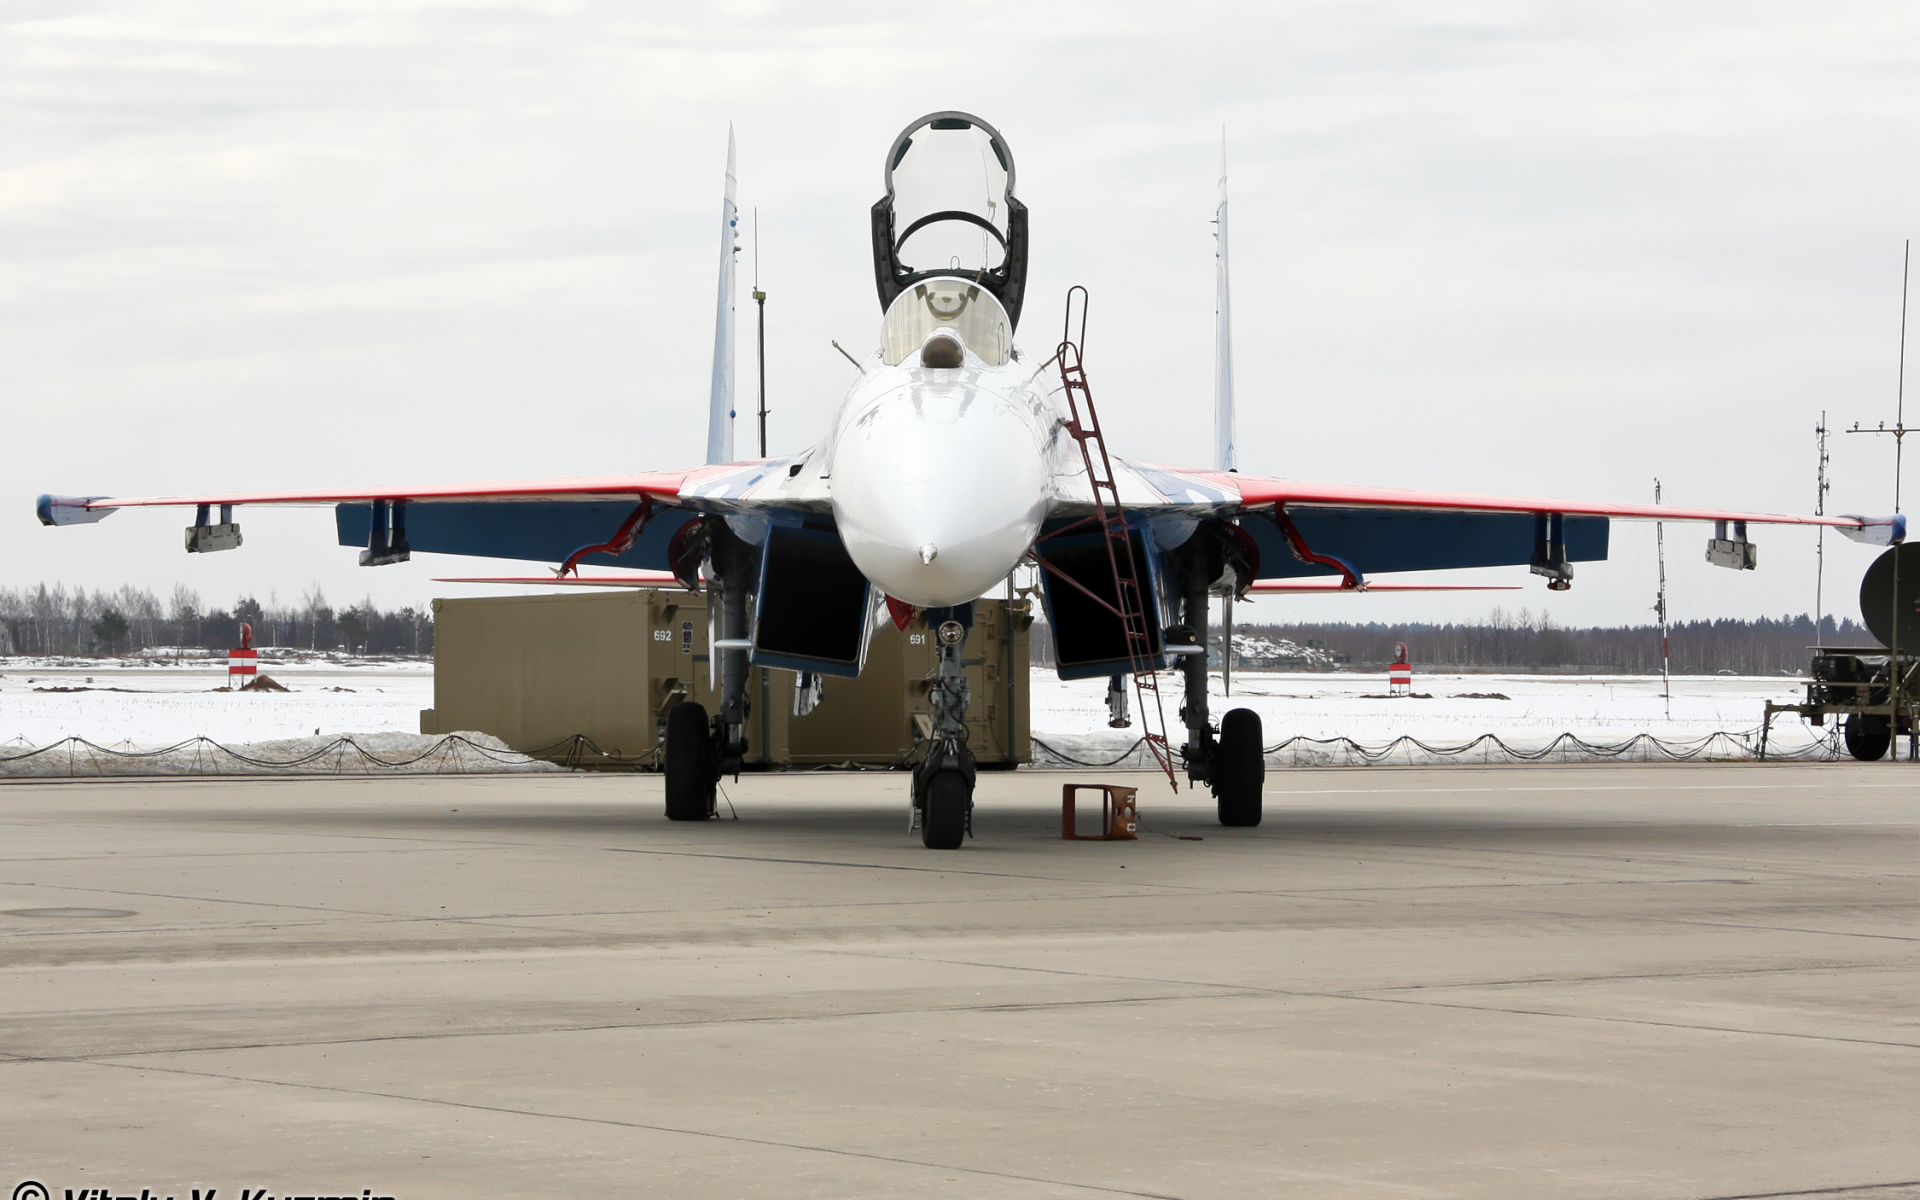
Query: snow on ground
[[153, 703], [149, 702], [1072, 717], [339, 714], [1279, 652]]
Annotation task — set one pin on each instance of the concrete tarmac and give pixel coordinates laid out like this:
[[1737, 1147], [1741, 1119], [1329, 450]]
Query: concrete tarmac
[[1623, 981]]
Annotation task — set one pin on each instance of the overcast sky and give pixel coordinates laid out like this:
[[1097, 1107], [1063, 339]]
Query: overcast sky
[[1525, 248]]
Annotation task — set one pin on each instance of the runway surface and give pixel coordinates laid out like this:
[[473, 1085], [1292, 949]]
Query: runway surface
[[1627, 981]]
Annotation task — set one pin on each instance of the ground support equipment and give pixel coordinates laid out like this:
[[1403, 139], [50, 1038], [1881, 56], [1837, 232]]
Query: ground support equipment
[[1856, 686]]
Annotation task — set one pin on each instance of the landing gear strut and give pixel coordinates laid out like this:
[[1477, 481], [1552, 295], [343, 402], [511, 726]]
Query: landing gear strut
[[1233, 765], [943, 780], [699, 749]]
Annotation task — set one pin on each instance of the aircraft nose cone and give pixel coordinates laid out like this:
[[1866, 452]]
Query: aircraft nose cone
[[937, 492]]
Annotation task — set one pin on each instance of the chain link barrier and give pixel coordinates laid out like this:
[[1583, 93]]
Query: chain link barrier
[[458, 754], [344, 755], [1491, 749]]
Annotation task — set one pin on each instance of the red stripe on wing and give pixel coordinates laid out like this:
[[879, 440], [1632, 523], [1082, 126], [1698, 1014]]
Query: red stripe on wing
[[666, 484], [1255, 491]]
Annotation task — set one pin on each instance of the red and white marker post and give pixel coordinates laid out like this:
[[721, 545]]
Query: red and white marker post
[[243, 662], [1399, 674]]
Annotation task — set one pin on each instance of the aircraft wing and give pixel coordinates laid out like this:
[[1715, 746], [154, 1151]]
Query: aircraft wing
[[542, 520], [1176, 486], [1352, 530], [725, 484]]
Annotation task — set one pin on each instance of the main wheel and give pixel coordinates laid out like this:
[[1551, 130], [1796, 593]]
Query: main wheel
[[690, 768], [1238, 772], [947, 799], [1868, 736]]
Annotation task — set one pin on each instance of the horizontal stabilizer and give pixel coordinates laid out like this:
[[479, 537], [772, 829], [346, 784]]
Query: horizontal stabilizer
[[1296, 586], [639, 579]]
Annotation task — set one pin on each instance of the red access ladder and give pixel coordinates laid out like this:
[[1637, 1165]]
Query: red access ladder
[[1083, 425]]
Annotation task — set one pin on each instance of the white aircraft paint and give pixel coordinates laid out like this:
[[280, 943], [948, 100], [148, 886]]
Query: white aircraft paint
[[910, 442]]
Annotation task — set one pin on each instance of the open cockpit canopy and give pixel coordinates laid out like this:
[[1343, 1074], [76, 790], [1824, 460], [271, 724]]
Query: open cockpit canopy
[[950, 211], [954, 303]]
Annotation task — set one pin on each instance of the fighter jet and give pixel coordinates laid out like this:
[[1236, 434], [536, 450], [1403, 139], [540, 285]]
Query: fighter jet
[[961, 452]]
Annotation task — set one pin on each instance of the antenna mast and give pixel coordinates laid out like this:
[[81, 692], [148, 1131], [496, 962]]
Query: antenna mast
[[760, 353], [1896, 689], [1820, 538], [1899, 429], [1660, 606], [1900, 387]]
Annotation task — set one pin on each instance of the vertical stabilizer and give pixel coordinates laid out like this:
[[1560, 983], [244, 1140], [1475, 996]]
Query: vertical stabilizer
[[720, 414], [1224, 456]]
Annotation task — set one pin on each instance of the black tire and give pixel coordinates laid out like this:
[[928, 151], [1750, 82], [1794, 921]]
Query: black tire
[[1238, 773], [690, 767], [1868, 736], [943, 820]]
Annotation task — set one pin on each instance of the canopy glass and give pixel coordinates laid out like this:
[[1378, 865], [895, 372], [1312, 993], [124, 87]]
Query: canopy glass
[[943, 176], [950, 211], [947, 303]]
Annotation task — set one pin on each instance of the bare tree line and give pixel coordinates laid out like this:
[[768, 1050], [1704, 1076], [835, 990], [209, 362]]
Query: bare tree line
[[1524, 642], [59, 620]]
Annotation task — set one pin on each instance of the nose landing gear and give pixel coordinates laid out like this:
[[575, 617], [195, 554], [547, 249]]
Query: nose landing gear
[[943, 780]]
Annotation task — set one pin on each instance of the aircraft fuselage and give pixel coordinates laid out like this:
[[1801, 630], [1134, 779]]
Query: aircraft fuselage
[[941, 476]]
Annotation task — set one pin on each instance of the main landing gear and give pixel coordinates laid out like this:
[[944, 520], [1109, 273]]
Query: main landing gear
[[1233, 765], [943, 780], [692, 767], [700, 749]]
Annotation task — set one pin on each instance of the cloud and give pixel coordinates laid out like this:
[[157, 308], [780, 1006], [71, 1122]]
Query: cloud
[[1555, 249]]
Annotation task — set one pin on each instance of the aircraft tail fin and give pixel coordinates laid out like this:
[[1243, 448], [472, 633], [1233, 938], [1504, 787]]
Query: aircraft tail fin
[[1224, 455], [720, 411]]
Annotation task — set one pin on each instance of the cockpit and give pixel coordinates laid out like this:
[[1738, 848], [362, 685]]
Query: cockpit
[[949, 233], [952, 303]]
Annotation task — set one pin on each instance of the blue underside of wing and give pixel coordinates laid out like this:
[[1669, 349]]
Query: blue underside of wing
[[1374, 541], [534, 530], [1380, 541]]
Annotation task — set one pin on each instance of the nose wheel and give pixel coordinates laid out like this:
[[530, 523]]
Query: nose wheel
[[943, 809], [943, 780]]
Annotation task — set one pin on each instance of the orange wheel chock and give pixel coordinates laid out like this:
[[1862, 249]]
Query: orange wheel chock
[[1119, 817]]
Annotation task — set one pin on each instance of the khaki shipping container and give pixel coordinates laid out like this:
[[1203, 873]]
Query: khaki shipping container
[[542, 673]]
